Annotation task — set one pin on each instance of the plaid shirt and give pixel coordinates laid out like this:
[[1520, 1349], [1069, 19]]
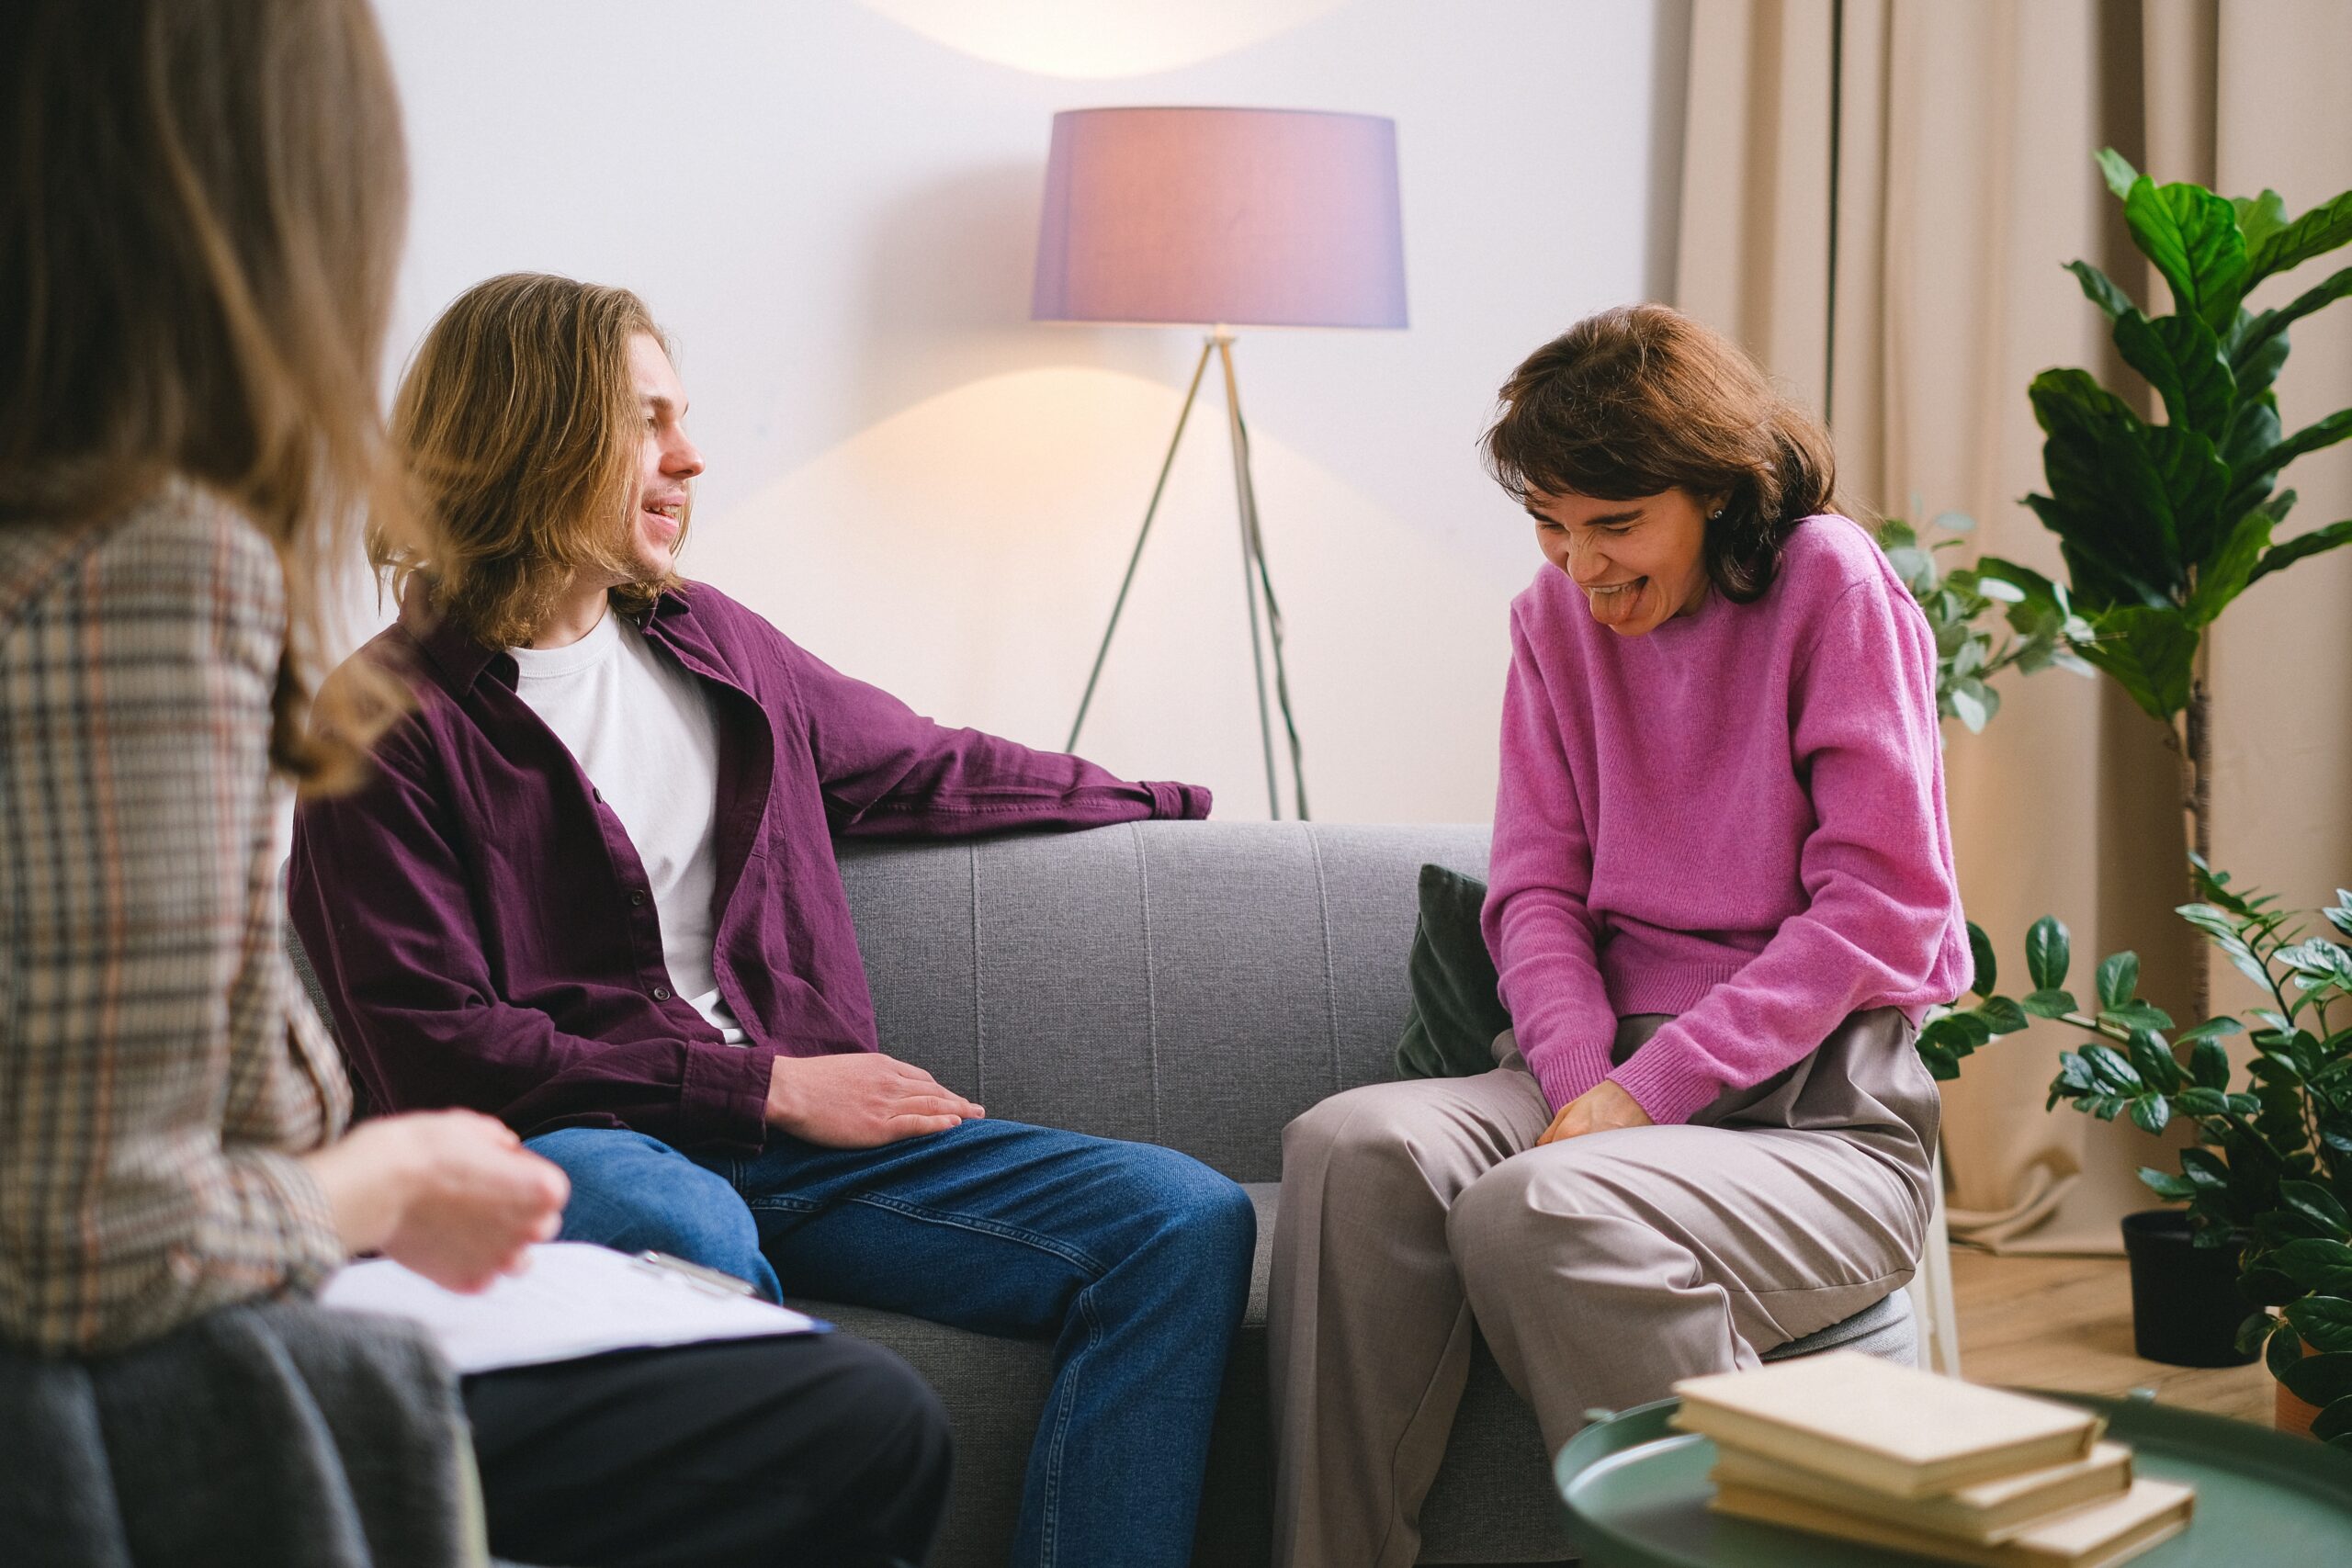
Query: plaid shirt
[[158, 1071]]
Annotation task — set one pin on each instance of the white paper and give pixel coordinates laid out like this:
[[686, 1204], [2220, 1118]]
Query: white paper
[[574, 1300]]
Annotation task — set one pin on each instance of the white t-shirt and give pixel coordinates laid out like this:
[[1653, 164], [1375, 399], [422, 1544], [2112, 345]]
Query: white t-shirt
[[642, 729]]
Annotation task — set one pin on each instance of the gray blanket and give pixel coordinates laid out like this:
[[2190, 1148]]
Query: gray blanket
[[277, 1435]]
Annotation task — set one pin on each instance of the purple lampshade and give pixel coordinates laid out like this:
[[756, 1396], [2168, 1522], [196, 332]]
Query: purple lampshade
[[1247, 216]]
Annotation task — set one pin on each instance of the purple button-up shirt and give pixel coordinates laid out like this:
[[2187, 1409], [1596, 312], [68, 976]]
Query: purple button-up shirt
[[483, 928]]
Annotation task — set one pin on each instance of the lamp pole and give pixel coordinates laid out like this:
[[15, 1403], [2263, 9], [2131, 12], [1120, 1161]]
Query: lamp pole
[[1256, 578]]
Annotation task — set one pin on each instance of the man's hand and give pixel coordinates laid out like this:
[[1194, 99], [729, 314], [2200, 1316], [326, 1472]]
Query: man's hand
[[860, 1100], [1599, 1109]]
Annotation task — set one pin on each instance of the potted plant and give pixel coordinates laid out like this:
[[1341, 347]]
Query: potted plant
[[2270, 1176], [2163, 524]]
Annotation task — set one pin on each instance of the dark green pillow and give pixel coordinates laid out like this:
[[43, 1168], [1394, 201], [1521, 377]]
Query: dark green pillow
[[1456, 1011]]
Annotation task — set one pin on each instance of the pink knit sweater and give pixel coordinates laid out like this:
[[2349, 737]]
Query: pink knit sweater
[[1737, 819]]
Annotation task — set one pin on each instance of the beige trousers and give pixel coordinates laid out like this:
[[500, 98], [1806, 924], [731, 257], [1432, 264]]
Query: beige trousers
[[1599, 1268]]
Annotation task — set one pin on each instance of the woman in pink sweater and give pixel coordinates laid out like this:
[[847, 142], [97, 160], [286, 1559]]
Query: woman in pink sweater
[[1722, 896]]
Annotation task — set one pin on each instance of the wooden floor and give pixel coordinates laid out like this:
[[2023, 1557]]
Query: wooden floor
[[2066, 1322]]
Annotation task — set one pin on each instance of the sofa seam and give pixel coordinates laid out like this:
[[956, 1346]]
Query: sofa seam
[[1150, 978], [1331, 980], [979, 996]]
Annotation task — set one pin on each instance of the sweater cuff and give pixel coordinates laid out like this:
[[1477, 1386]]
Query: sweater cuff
[[1666, 1082], [1178, 802], [1564, 1074]]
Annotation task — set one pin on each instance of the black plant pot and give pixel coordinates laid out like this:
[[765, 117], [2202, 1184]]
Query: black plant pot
[[2186, 1308]]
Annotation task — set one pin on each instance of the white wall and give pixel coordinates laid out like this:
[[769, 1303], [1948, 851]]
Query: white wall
[[832, 206]]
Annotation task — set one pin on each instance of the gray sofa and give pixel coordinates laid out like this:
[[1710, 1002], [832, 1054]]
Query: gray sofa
[[1195, 985]]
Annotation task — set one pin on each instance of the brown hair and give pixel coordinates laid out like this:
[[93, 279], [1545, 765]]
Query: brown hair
[[520, 419], [205, 201], [1641, 399]]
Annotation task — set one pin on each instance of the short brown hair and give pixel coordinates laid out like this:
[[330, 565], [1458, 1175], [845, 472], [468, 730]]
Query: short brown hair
[[1640, 399], [205, 201], [519, 419]]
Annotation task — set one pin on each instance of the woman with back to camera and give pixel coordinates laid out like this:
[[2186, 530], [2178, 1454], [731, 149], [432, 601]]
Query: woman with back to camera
[[203, 206], [1723, 894]]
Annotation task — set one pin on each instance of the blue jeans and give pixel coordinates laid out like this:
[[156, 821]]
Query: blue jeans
[[1133, 1258]]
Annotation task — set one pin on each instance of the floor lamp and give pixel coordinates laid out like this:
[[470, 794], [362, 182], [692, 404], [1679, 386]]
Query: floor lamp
[[1219, 218]]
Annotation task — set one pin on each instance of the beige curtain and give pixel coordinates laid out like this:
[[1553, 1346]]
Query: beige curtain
[[1876, 199]]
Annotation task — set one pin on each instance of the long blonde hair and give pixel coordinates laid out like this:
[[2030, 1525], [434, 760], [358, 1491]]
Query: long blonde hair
[[204, 202], [520, 419]]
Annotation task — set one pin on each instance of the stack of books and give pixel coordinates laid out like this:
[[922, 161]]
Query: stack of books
[[1851, 1446]]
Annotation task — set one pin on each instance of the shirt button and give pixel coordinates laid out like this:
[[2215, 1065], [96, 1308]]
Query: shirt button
[[599, 794], [661, 993], [637, 894]]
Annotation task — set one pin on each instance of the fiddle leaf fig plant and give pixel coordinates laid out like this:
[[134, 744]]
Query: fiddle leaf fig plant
[[2163, 522]]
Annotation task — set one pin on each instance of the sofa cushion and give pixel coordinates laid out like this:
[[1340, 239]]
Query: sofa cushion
[[1456, 1009]]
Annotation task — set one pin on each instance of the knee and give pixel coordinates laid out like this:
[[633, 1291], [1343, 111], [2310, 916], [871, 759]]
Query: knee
[[1346, 1132], [1527, 1202], [632, 1192], [1204, 1216]]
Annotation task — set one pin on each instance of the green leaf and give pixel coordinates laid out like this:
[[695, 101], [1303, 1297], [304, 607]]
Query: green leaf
[[2210, 1028], [2049, 1002], [2048, 950], [2259, 218], [2317, 1204], [2208, 1062], [2260, 329], [2164, 1185], [2283, 1351], [2280, 557], [2311, 438], [2136, 1015], [2152, 1060], [1969, 707], [2150, 1112], [2253, 1330], [2192, 237], [2101, 289], [2119, 977], [2320, 1380], [2120, 174], [2333, 1426], [2182, 359], [2323, 1268], [2002, 1016], [2317, 233], [2204, 1167], [2151, 654], [2201, 1102], [2111, 1072], [1979, 956], [2229, 570]]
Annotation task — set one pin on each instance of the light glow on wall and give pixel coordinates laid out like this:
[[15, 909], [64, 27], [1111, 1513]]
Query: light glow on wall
[[1097, 39], [963, 552]]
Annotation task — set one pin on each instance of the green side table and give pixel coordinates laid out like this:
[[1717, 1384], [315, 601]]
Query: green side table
[[1636, 1494]]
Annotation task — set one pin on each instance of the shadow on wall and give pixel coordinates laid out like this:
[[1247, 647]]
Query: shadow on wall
[[946, 295]]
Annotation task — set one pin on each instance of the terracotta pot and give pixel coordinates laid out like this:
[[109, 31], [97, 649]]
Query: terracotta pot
[[2289, 1414]]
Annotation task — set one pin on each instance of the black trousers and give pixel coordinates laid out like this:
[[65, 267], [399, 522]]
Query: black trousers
[[818, 1451]]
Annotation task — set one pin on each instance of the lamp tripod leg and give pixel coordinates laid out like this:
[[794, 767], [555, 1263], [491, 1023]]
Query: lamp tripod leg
[[1258, 578], [1200, 368]]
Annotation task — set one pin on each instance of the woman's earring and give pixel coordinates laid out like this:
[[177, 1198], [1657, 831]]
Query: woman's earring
[[1716, 515]]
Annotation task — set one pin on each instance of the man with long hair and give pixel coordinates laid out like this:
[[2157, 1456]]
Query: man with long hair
[[592, 891]]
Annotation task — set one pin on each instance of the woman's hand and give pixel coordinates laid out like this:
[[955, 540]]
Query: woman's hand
[[450, 1193], [1599, 1109]]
